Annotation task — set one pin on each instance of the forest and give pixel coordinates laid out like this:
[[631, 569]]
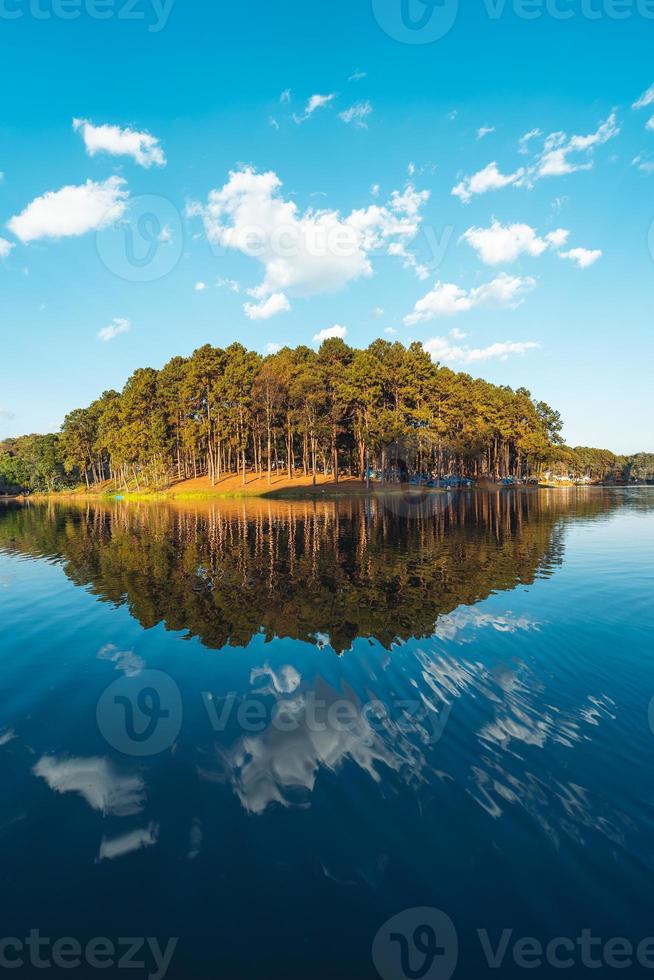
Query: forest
[[336, 411]]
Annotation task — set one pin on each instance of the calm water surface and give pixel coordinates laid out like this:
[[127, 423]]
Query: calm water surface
[[265, 728]]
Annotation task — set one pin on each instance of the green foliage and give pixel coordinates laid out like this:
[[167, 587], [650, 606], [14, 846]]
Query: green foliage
[[34, 463], [640, 467], [334, 411]]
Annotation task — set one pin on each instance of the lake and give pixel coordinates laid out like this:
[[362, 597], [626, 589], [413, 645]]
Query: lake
[[381, 737]]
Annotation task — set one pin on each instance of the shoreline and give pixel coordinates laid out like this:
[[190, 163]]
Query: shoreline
[[260, 490]]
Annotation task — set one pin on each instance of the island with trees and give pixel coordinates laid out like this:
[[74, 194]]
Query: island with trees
[[231, 416]]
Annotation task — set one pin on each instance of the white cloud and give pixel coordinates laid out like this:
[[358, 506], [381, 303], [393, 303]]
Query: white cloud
[[409, 260], [390, 331], [356, 114], [142, 147], [329, 332], [357, 75], [453, 114], [230, 284], [409, 201], [275, 303], [378, 311], [584, 257], [647, 98], [561, 154], [500, 244], [315, 102], [645, 166], [5, 248], [318, 102], [117, 326], [273, 122], [73, 210], [523, 143], [484, 131], [488, 179], [374, 190], [440, 349], [200, 286], [554, 160], [457, 334], [557, 239], [273, 348], [505, 243], [311, 252], [285, 97], [448, 299]]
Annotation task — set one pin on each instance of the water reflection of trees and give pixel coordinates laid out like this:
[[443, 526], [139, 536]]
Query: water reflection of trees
[[349, 568]]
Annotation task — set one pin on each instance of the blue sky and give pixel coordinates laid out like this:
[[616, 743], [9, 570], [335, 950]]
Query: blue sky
[[355, 221]]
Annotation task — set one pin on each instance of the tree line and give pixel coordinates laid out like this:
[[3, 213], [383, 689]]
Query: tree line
[[336, 411]]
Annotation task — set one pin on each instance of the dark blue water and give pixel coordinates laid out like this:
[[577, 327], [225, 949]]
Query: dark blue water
[[265, 729]]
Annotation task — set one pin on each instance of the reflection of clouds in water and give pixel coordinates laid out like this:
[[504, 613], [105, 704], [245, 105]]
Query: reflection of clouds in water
[[11, 822], [469, 618], [520, 720], [125, 660], [523, 719], [96, 780], [371, 873], [6, 736], [600, 709], [194, 839], [447, 677], [516, 695], [134, 840], [283, 681], [281, 766], [555, 806]]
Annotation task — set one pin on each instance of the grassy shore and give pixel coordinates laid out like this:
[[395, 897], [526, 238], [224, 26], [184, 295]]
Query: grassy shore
[[232, 488]]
